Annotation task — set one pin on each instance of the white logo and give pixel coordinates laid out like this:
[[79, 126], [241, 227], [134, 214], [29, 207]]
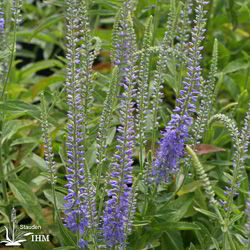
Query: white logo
[[16, 234]]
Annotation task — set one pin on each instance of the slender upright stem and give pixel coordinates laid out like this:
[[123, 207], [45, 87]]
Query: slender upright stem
[[4, 186]]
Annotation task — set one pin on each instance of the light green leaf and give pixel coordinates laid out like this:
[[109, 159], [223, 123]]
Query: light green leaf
[[11, 127], [32, 68], [206, 212], [111, 135], [236, 65], [47, 81], [183, 226], [59, 198], [192, 247], [24, 140], [21, 108], [46, 22], [190, 187], [27, 199]]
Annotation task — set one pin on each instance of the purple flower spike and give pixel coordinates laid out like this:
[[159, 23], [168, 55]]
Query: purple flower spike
[[80, 208], [171, 151], [1, 25], [119, 208], [176, 133]]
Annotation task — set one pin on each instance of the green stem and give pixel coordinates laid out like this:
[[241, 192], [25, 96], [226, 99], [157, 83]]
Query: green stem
[[56, 99], [11, 61], [4, 186], [140, 157]]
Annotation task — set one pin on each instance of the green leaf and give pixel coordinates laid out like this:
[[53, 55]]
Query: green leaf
[[27, 199], [180, 206], [236, 65], [175, 226], [148, 238], [24, 140], [32, 68], [111, 135], [35, 160], [11, 127], [20, 108], [229, 106], [236, 217], [66, 236], [240, 239], [91, 155], [59, 198], [13, 171], [216, 244], [192, 247], [190, 187], [171, 240], [206, 212], [46, 22], [179, 182], [140, 223], [41, 85]]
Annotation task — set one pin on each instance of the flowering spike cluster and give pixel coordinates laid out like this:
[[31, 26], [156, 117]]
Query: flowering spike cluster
[[117, 214], [207, 98], [235, 175], [120, 40], [106, 117], [87, 59], [156, 93], [171, 150], [183, 30], [1, 21], [170, 53], [176, 132], [80, 206], [188, 95], [2, 38], [203, 177], [183, 27], [164, 53], [48, 154], [172, 21], [245, 132], [16, 11], [115, 55], [4, 47], [143, 81]]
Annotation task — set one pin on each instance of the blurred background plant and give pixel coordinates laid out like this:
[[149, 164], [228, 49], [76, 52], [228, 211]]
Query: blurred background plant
[[33, 61]]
